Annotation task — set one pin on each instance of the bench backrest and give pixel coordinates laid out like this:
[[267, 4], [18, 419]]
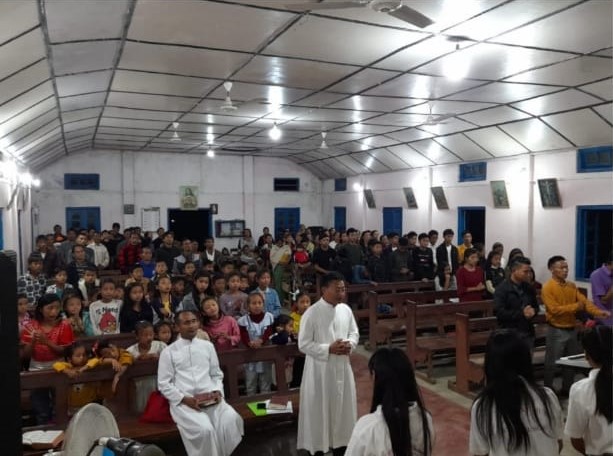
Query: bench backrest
[[231, 363]]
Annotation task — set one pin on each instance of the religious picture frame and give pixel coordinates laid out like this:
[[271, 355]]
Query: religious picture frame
[[188, 200], [410, 197], [499, 194], [439, 197], [550, 195]]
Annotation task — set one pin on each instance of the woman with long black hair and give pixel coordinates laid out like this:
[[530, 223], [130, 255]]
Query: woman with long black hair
[[590, 416], [398, 424], [513, 415]]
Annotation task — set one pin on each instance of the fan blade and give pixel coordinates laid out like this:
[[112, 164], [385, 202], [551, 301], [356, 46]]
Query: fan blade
[[406, 14], [324, 6]]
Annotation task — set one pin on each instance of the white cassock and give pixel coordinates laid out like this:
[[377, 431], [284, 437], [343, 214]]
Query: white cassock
[[328, 405], [187, 368]]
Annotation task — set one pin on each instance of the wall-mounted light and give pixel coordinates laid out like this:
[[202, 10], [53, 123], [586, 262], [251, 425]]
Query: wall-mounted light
[[275, 132], [357, 187]]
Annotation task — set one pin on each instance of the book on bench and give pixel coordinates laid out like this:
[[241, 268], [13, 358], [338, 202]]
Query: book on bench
[[42, 440]]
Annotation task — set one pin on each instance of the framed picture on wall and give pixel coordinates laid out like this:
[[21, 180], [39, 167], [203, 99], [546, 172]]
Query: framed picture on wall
[[499, 194], [410, 197], [370, 199], [229, 228], [188, 197], [550, 196], [439, 198]]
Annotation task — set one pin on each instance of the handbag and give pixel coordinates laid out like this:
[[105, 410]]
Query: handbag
[[157, 410]]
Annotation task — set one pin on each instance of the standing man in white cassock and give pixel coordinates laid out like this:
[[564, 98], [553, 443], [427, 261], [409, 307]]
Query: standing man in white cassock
[[190, 378], [328, 405]]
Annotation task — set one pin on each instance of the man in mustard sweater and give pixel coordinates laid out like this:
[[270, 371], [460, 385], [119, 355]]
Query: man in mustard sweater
[[562, 302]]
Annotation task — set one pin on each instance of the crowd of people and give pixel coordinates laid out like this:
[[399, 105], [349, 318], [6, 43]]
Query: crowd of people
[[206, 301]]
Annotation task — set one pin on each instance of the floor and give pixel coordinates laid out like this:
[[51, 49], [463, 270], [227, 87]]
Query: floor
[[450, 413]]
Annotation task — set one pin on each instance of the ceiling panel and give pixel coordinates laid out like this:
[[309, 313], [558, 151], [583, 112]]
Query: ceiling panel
[[535, 135], [434, 151], [351, 163], [17, 17], [602, 89], [463, 147], [77, 57], [336, 115], [366, 103], [131, 81], [362, 80], [30, 127], [127, 131], [216, 119], [80, 114], [153, 102], [389, 159], [83, 83], [593, 32], [370, 162], [409, 134], [70, 20], [584, 127], [556, 102], [181, 60], [206, 24], [320, 99], [168, 116], [491, 61], [444, 107], [274, 94], [570, 73], [80, 124], [82, 101], [27, 115], [23, 101], [410, 156], [292, 73], [447, 126], [507, 17], [419, 86], [492, 116], [605, 111], [504, 92], [323, 39], [412, 57], [133, 123], [496, 142], [24, 80], [21, 52]]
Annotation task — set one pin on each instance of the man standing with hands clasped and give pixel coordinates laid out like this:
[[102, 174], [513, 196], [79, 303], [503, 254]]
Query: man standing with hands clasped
[[190, 378], [328, 405]]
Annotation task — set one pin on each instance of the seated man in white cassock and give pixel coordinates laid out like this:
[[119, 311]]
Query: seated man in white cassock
[[190, 378]]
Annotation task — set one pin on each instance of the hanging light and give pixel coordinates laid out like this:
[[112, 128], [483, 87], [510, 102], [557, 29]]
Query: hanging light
[[210, 153], [275, 132], [323, 145], [175, 137]]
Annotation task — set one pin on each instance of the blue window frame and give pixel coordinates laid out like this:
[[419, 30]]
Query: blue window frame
[[595, 159], [594, 243], [471, 172], [286, 218], [83, 218], [340, 218], [340, 184], [81, 181], [286, 184], [392, 220]]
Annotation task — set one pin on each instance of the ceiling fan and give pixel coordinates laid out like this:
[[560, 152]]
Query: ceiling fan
[[394, 8], [436, 119], [229, 106]]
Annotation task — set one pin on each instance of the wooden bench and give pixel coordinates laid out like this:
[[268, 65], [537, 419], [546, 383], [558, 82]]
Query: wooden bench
[[440, 321], [108, 272], [381, 327], [231, 362], [471, 336]]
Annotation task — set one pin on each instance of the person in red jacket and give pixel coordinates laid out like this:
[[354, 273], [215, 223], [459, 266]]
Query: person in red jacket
[[129, 254]]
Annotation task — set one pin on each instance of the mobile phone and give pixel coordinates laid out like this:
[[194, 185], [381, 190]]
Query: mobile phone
[[261, 406]]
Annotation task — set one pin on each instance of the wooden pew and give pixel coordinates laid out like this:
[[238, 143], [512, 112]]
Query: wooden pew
[[231, 363], [441, 319], [108, 272], [472, 335], [382, 327]]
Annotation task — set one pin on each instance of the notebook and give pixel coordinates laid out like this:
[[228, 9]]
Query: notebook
[[41, 440]]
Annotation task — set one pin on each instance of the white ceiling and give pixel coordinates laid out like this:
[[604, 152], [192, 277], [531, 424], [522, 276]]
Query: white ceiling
[[81, 74]]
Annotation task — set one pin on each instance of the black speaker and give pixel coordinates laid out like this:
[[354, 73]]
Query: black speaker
[[10, 420], [370, 199]]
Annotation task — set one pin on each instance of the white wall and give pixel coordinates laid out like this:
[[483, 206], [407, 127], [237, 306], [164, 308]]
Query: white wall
[[539, 232], [241, 186], [15, 202]]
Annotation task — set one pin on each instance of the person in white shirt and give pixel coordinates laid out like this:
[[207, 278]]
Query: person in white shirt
[[589, 423], [398, 423], [190, 378], [328, 404], [101, 253], [513, 415]]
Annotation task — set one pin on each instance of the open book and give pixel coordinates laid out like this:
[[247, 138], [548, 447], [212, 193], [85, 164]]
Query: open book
[[280, 405], [40, 440]]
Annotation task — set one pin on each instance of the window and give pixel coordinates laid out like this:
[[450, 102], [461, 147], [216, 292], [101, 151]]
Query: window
[[81, 181], [83, 218], [340, 218], [392, 220], [340, 184], [594, 243], [470, 172], [286, 184], [595, 159]]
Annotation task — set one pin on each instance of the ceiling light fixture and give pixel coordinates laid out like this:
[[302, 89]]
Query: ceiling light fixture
[[323, 145], [210, 137], [210, 153], [175, 137], [275, 132], [36, 182]]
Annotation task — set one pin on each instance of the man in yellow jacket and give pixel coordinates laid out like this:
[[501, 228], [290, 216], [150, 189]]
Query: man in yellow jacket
[[562, 302]]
